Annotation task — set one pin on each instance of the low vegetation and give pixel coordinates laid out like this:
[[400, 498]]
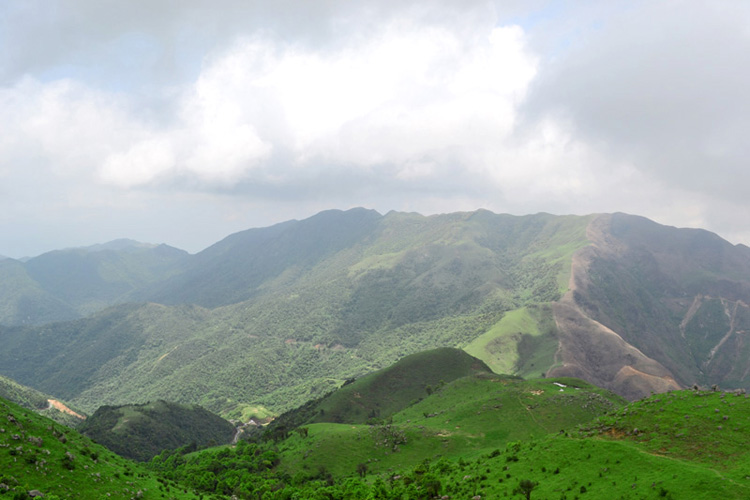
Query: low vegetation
[[39, 455], [530, 443], [480, 435]]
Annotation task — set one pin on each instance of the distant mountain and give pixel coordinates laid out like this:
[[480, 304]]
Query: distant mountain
[[68, 284], [235, 269], [280, 315], [678, 297], [119, 245], [25, 301]]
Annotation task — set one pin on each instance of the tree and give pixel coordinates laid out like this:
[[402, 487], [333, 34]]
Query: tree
[[362, 469], [525, 487]]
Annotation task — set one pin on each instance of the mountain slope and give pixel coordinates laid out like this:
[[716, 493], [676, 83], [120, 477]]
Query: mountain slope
[[41, 403], [233, 269], [41, 456], [358, 301], [24, 301], [69, 284], [294, 310], [380, 394], [678, 297]]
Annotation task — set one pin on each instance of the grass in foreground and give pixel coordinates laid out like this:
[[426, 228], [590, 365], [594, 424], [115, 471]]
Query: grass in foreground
[[39, 454]]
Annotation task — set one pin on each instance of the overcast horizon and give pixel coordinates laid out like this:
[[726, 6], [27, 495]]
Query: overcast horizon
[[181, 122]]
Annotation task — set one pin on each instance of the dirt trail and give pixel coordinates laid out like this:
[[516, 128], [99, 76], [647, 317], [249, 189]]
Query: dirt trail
[[61, 407]]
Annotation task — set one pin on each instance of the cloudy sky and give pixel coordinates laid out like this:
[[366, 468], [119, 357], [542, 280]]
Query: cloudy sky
[[181, 121]]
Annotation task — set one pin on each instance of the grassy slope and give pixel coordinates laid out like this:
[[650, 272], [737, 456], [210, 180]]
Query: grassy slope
[[32, 399], [379, 395], [38, 454], [464, 419], [383, 393], [677, 452], [565, 468], [485, 435], [522, 342], [683, 444]]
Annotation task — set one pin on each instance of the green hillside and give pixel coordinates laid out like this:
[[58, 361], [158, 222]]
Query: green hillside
[[140, 432], [25, 396], [463, 419], [288, 313], [24, 301], [41, 403], [524, 342], [72, 283], [332, 298], [458, 421], [379, 395], [37, 454], [498, 437]]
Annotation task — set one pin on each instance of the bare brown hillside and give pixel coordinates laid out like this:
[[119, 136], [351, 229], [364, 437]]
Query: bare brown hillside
[[654, 308]]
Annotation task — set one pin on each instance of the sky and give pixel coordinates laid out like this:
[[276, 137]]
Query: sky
[[183, 121]]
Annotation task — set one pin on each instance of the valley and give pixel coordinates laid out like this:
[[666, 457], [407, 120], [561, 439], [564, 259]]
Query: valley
[[429, 348]]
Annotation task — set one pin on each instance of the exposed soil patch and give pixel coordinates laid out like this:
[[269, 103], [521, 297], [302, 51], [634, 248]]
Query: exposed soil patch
[[61, 407]]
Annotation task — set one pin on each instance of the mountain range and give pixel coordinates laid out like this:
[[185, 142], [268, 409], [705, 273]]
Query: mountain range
[[269, 318]]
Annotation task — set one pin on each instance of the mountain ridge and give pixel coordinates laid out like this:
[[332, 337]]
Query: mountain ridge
[[626, 303]]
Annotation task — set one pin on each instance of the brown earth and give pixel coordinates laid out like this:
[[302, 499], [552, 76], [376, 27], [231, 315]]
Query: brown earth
[[53, 403], [590, 350]]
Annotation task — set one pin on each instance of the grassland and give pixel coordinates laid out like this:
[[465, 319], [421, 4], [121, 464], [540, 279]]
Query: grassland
[[502, 437], [674, 445], [36, 453], [523, 342], [463, 419]]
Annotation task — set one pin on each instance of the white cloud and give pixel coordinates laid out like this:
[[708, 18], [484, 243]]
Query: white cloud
[[142, 163], [280, 108], [412, 101]]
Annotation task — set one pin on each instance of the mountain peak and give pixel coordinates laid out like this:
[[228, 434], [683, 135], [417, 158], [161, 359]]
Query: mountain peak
[[119, 244]]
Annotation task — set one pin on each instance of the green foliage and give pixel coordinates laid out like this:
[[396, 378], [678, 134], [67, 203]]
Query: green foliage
[[378, 395], [140, 432], [25, 396], [330, 298], [36, 453], [599, 460], [467, 417], [34, 400], [523, 342]]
